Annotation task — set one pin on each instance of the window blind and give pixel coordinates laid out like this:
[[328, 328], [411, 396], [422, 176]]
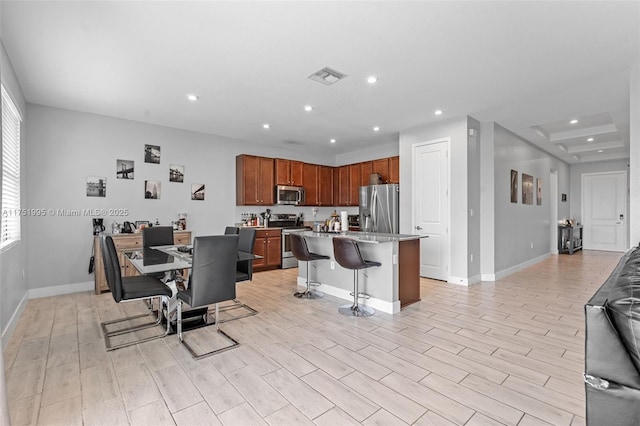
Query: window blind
[[10, 228]]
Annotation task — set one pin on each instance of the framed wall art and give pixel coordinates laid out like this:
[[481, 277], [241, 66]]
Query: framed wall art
[[152, 154], [152, 189], [197, 191], [124, 169], [538, 191], [96, 186], [176, 173], [527, 189]]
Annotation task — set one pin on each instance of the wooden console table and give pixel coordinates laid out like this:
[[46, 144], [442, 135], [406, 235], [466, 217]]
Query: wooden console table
[[125, 242]]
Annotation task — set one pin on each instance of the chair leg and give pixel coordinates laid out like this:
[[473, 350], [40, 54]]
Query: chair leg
[[195, 355], [355, 309], [308, 293], [109, 334]]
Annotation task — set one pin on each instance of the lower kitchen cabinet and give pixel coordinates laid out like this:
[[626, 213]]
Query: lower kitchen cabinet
[[268, 245]]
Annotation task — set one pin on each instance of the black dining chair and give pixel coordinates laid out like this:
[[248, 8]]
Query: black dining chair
[[231, 230], [128, 289], [157, 236], [246, 243], [212, 280]]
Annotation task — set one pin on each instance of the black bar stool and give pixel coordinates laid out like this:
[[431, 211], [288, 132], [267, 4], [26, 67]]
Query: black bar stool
[[301, 252], [347, 254]]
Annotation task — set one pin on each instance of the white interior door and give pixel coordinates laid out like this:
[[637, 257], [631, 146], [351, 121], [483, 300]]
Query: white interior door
[[604, 205], [431, 207]]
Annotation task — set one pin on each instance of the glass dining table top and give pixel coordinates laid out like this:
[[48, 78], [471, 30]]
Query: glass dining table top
[[168, 258]]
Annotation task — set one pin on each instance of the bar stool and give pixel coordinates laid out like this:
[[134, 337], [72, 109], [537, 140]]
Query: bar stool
[[301, 252], [347, 254]]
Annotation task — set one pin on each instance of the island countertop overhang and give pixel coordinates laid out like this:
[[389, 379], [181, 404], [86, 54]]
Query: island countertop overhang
[[365, 237]]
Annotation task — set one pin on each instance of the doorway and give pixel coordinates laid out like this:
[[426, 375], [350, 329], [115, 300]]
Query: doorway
[[604, 207], [553, 213], [431, 206]]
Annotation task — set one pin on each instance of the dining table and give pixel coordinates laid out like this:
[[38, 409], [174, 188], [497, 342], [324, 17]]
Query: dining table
[[171, 259]]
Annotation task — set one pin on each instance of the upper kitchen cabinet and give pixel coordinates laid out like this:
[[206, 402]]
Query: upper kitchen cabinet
[[366, 169], [289, 172], [381, 167], [325, 186], [348, 185], [310, 179], [318, 185], [394, 170], [254, 180]]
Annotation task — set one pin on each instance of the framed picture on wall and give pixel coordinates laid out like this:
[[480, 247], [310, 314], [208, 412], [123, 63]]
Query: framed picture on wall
[[96, 186], [152, 154], [124, 169], [538, 191], [514, 186], [176, 173], [527, 189], [197, 191], [152, 189]]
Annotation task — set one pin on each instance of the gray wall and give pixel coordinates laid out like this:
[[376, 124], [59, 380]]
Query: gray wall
[[64, 147], [474, 189], [13, 260], [517, 226]]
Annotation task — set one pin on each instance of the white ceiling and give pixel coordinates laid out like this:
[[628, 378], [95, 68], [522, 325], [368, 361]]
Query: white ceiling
[[530, 66]]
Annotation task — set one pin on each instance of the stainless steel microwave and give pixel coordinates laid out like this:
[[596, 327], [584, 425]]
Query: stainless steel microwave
[[292, 195]]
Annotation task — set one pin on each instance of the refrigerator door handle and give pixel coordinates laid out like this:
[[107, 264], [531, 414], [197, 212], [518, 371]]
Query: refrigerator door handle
[[374, 219]]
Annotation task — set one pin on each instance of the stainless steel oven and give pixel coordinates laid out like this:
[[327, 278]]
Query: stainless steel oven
[[288, 260]]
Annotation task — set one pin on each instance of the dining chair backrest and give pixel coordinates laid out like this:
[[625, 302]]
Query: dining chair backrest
[[213, 272], [112, 268], [231, 230], [106, 260], [157, 236], [246, 243]]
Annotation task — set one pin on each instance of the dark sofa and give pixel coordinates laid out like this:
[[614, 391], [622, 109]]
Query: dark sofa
[[612, 347]]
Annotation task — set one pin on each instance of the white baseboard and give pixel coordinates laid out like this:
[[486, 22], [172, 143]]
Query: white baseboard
[[13, 321], [380, 305], [37, 293], [506, 272]]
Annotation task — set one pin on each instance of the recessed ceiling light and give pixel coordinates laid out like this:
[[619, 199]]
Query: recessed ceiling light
[[192, 97], [266, 125], [308, 108], [574, 121], [332, 140], [438, 112], [372, 79], [375, 129], [590, 140], [600, 150]]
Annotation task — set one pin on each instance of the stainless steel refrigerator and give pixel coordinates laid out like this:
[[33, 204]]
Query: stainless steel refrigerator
[[380, 208]]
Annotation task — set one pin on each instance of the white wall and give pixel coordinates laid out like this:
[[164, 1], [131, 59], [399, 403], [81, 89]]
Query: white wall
[[474, 189], [517, 225], [389, 149], [634, 154], [456, 129], [13, 261], [64, 147], [487, 200]]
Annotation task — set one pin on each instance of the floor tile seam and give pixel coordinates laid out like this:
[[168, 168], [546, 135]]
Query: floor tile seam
[[577, 401]]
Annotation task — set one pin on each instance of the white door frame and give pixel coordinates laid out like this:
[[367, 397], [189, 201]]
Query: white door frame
[[626, 200], [414, 196], [553, 206]]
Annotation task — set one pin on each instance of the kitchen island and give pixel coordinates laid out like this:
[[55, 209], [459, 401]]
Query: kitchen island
[[391, 286]]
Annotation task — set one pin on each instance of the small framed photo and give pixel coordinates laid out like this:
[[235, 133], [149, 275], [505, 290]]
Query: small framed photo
[[564, 198], [96, 186], [141, 224], [197, 191], [152, 189], [514, 186], [152, 154], [538, 191], [176, 173], [527, 189], [124, 169]]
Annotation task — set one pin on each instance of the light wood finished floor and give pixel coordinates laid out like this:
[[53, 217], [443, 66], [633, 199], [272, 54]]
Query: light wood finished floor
[[509, 352]]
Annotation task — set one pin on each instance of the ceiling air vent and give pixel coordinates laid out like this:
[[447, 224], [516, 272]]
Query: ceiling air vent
[[327, 76]]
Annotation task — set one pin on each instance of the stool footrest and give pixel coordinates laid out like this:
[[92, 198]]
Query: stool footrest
[[361, 295]]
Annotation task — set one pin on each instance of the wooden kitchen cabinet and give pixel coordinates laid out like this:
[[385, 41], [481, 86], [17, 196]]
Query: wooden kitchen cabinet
[[125, 242], [354, 184], [366, 169], [381, 167], [349, 185], [310, 180], [394, 170], [254, 180], [289, 172], [325, 186], [268, 245]]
